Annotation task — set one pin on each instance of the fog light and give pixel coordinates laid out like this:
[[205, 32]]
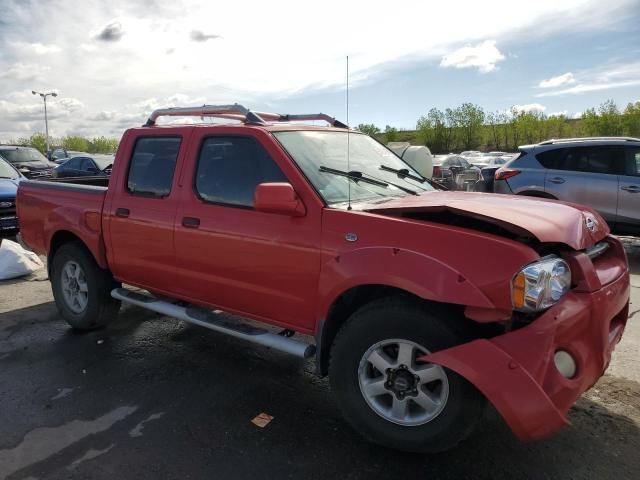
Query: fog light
[[565, 363]]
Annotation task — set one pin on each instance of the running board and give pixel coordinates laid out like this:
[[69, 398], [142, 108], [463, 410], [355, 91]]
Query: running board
[[208, 319]]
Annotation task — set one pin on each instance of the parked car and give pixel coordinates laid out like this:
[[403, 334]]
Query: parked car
[[60, 155], [10, 178], [602, 173], [85, 166], [455, 172], [29, 161], [415, 328]]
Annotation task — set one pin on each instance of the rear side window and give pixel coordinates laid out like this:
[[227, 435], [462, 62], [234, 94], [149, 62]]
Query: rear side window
[[230, 168], [152, 165], [604, 159], [73, 164]]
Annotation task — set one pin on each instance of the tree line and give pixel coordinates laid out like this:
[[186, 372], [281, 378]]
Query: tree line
[[469, 127], [74, 143]]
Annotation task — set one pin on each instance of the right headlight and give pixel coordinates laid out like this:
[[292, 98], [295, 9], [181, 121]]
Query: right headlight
[[541, 284]]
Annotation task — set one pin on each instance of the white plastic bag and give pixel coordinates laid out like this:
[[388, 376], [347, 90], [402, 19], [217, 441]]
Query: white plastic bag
[[15, 261]]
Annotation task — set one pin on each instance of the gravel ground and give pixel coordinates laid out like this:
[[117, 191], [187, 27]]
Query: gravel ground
[[152, 397]]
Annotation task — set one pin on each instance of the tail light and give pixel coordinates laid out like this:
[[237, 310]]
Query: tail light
[[504, 173], [437, 171]]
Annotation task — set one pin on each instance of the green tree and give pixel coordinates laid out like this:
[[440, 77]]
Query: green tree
[[38, 141], [76, 143], [469, 121], [368, 128], [631, 119], [103, 145], [390, 134]]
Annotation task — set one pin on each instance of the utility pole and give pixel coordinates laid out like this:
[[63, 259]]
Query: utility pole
[[46, 121]]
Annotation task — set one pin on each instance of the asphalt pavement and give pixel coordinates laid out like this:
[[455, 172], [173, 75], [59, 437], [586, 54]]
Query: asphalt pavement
[[152, 397]]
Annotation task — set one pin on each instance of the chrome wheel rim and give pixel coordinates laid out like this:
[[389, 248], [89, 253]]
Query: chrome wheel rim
[[398, 388], [74, 287]]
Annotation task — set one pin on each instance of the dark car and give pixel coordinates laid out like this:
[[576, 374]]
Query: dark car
[[10, 177], [60, 155], [455, 172], [85, 166], [28, 161]]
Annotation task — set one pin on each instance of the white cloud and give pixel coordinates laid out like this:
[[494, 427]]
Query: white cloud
[[577, 115], [258, 68], [529, 108], [37, 48], [552, 82], [601, 78], [483, 56], [563, 113]]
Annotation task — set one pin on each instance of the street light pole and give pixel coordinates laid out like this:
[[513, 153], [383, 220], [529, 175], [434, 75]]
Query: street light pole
[[46, 121]]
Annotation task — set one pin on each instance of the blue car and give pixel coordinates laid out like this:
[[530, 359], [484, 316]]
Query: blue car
[[10, 177]]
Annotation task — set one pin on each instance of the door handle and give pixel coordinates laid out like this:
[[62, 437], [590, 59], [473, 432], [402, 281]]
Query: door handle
[[122, 212], [190, 222], [631, 188], [557, 180]]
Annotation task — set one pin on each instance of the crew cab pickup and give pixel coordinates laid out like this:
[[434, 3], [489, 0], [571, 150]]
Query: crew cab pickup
[[420, 304]]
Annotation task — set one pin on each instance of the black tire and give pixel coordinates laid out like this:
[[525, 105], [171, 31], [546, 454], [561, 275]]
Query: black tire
[[100, 306], [427, 326]]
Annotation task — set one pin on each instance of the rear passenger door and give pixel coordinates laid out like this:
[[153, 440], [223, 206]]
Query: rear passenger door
[[628, 219], [141, 210], [585, 175]]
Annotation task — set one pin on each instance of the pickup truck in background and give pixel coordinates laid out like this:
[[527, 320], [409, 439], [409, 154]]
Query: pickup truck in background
[[325, 233]]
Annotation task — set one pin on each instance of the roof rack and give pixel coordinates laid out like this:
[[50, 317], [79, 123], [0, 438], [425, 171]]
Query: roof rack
[[240, 113], [580, 139]]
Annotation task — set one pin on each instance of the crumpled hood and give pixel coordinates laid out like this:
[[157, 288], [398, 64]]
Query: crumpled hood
[[549, 221], [8, 187]]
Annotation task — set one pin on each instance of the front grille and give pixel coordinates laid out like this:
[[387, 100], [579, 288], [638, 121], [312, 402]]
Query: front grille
[[596, 250], [8, 218]]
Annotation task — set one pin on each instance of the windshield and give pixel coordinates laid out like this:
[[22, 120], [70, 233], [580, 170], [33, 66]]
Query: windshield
[[314, 149], [20, 155], [7, 171]]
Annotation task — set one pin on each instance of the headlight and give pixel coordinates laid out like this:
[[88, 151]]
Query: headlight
[[541, 284]]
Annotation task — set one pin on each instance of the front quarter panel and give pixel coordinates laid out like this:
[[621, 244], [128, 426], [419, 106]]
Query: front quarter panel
[[433, 261]]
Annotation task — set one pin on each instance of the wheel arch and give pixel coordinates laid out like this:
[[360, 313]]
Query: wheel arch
[[537, 194], [62, 237], [352, 299]]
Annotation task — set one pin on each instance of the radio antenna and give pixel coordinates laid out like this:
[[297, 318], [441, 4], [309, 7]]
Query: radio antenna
[[348, 141]]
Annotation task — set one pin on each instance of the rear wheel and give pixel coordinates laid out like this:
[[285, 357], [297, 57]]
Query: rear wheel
[[81, 289], [390, 397]]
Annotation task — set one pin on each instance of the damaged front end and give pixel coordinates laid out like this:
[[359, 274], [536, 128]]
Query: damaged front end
[[535, 372]]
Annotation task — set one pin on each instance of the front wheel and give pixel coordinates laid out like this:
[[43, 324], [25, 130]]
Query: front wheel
[[390, 397], [81, 289]]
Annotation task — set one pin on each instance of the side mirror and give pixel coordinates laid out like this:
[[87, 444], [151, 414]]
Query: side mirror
[[278, 198]]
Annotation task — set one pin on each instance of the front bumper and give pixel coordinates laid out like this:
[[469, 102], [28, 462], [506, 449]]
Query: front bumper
[[516, 371]]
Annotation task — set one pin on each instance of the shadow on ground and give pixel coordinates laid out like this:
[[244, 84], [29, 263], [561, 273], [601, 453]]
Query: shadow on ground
[[197, 391]]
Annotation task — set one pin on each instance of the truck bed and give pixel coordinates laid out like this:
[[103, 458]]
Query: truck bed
[[65, 205]]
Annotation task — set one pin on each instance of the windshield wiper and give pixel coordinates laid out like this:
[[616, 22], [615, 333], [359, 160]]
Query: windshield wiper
[[359, 176], [402, 173]]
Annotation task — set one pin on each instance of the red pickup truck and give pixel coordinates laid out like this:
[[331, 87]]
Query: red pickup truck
[[421, 305]]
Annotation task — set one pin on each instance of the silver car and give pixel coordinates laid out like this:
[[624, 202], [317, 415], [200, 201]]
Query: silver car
[[600, 172]]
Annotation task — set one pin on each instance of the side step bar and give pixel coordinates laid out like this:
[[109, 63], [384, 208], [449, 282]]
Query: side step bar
[[208, 319]]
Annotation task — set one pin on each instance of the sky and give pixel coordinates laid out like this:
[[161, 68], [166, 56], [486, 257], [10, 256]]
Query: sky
[[112, 63]]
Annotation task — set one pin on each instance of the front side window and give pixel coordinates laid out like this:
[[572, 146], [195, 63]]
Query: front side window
[[633, 162], [152, 166], [319, 154], [230, 168]]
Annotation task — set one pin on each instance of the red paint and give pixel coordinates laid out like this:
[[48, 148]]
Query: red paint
[[288, 260]]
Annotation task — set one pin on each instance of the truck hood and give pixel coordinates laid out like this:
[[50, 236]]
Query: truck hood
[[548, 221]]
